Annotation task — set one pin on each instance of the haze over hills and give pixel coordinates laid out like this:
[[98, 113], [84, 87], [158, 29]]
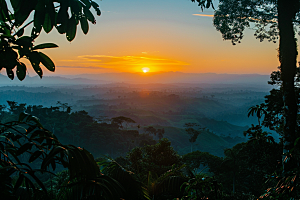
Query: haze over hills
[[178, 77], [218, 102], [141, 78]]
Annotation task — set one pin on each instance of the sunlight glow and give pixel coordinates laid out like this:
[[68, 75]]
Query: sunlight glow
[[145, 69]]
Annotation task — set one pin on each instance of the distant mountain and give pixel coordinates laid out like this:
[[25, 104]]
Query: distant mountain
[[179, 77], [48, 80], [141, 78]]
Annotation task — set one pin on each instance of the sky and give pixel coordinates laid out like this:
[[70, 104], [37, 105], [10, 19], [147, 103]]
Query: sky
[[157, 35]]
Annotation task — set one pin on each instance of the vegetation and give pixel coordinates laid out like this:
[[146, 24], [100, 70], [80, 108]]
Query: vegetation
[[47, 14]]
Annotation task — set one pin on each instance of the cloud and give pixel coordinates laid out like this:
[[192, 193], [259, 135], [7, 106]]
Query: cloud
[[203, 15], [90, 67], [129, 60]]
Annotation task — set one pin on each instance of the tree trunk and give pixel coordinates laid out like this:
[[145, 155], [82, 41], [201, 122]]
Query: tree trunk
[[288, 61]]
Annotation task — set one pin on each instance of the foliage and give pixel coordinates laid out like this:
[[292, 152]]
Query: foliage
[[119, 121], [157, 158], [133, 188], [204, 3], [201, 186], [145, 184], [63, 15], [26, 141], [153, 131], [189, 129], [195, 159], [80, 129], [233, 17]]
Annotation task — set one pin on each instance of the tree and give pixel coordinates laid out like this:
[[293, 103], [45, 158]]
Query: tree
[[118, 121], [272, 19], [153, 131], [189, 129], [156, 167], [63, 15], [157, 158]]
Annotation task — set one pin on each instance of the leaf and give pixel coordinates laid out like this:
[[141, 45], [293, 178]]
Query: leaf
[[8, 59], [24, 41], [5, 11], [35, 120], [47, 62], [71, 29], [96, 7], [44, 46], [89, 15], [37, 180], [35, 155], [61, 29], [34, 59], [296, 141], [22, 116], [2, 146], [39, 14], [53, 165], [20, 32], [51, 11], [16, 4], [84, 25], [26, 7], [87, 3], [10, 73], [62, 16], [19, 182], [21, 71], [76, 7], [24, 148], [47, 23], [51, 156]]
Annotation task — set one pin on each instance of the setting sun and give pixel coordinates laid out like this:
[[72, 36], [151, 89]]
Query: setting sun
[[145, 69]]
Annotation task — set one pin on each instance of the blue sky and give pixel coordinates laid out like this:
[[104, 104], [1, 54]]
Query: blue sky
[[163, 35]]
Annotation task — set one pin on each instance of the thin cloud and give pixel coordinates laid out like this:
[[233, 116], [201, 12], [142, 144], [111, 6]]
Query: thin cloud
[[89, 67], [129, 60], [203, 15]]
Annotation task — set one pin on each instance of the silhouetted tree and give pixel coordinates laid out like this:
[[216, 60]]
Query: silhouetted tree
[[194, 133], [272, 19], [121, 121], [63, 15]]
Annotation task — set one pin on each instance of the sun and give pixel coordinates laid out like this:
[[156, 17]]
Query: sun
[[145, 69]]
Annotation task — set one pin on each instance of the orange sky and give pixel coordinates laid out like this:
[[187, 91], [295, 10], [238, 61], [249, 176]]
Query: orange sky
[[160, 35]]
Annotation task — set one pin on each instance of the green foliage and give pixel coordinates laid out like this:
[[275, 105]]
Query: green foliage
[[142, 181], [189, 128], [63, 15], [80, 129], [133, 188], [27, 141], [157, 158], [153, 131], [204, 3], [195, 159], [121, 120], [233, 17], [202, 187]]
